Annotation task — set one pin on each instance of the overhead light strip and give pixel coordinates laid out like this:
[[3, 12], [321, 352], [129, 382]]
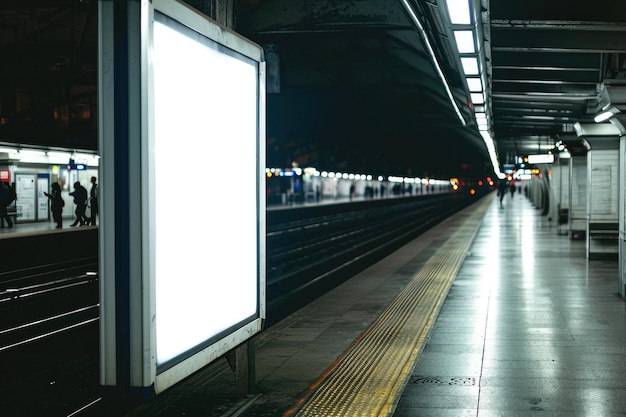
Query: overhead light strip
[[465, 41], [477, 98], [434, 59], [607, 113], [475, 84], [470, 65], [492, 152], [459, 12]]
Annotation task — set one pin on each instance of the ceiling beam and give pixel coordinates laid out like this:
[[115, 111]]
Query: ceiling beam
[[554, 25], [547, 40]]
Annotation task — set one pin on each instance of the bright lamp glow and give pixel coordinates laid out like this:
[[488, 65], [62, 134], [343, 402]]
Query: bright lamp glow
[[465, 41], [604, 116], [541, 159], [8, 150], [205, 99], [608, 111], [492, 152], [477, 98], [474, 84], [470, 65], [459, 11]]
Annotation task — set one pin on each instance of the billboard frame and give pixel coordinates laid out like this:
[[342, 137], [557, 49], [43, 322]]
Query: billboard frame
[[128, 269]]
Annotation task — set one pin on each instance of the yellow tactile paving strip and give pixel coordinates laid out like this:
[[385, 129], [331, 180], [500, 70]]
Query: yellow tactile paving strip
[[366, 380]]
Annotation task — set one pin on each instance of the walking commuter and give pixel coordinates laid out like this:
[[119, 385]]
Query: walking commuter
[[80, 199], [6, 197], [93, 201], [502, 190], [56, 205]]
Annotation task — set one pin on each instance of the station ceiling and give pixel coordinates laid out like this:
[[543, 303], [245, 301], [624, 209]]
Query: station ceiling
[[352, 85]]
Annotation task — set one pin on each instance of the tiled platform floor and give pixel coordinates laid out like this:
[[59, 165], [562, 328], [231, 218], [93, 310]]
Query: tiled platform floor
[[530, 328]]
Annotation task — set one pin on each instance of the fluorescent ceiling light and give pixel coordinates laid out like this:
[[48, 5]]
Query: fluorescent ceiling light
[[465, 41], [459, 11], [433, 57], [603, 117], [541, 159], [470, 65], [481, 116], [477, 98], [32, 153], [482, 122], [474, 84], [492, 153], [606, 115]]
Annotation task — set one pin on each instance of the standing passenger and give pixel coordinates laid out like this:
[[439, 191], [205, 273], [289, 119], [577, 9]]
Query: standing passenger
[[80, 199], [5, 200], [57, 204], [502, 190], [93, 200]]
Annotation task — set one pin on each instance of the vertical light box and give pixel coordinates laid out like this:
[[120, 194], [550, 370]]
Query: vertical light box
[[206, 234]]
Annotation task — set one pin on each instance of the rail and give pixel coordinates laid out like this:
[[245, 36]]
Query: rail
[[308, 253]]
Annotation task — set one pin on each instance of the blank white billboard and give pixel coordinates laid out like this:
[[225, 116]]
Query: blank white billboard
[[182, 135], [207, 166]]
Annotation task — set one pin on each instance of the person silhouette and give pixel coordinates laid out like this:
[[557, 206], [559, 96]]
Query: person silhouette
[[93, 201], [80, 199], [5, 199], [57, 204], [502, 188]]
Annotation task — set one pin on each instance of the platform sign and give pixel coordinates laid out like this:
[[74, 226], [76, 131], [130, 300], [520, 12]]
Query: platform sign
[[198, 289]]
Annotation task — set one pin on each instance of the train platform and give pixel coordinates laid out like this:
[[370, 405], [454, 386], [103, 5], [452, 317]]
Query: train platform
[[35, 228], [490, 313]]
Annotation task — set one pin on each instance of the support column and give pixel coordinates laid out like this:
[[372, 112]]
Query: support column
[[577, 224], [242, 361], [620, 122], [613, 98], [602, 207], [621, 217], [560, 186], [123, 374]]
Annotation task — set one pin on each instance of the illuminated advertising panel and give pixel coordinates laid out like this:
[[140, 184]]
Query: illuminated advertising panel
[[541, 159], [207, 214]]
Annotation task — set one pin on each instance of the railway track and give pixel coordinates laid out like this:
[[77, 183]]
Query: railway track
[[49, 339]]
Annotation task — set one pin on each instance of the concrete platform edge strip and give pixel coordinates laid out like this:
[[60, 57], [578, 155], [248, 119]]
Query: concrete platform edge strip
[[368, 378]]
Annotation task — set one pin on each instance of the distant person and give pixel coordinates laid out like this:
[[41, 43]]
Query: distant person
[[513, 188], [57, 203], [80, 199], [502, 190], [351, 191], [93, 201], [6, 198]]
